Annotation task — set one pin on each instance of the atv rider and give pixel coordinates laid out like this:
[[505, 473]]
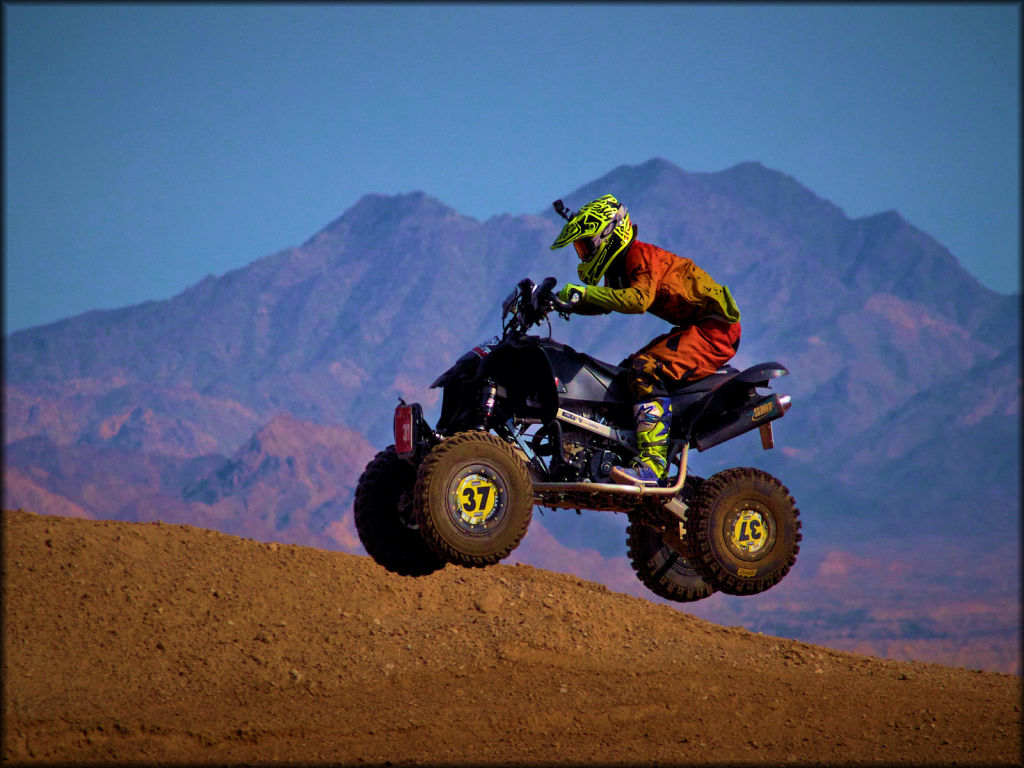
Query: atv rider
[[639, 277]]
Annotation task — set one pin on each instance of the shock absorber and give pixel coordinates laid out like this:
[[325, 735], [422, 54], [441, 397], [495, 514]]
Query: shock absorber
[[487, 397]]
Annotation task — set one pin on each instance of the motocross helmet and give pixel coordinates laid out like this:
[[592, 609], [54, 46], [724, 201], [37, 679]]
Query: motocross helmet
[[600, 230]]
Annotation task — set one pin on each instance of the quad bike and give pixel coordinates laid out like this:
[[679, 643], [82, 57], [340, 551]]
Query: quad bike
[[528, 421]]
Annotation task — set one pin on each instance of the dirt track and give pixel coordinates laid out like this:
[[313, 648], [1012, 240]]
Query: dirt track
[[146, 642]]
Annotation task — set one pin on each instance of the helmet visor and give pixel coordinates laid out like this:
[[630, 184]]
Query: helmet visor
[[585, 248]]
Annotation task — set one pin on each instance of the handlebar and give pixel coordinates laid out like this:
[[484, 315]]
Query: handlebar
[[564, 308], [530, 304], [543, 296]]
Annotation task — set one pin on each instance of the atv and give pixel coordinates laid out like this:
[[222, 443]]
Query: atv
[[526, 420]]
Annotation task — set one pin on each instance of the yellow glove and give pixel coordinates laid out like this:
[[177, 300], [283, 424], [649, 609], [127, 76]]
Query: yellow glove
[[573, 294]]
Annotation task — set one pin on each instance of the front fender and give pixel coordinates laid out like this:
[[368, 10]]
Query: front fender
[[466, 368], [525, 373], [469, 366]]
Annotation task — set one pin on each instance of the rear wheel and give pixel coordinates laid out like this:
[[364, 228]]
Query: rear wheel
[[384, 519], [664, 561], [744, 530], [473, 499]]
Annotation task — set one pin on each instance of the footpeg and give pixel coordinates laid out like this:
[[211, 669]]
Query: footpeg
[[677, 508]]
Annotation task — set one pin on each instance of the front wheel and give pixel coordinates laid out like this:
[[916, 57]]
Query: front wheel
[[473, 499], [744, 530]]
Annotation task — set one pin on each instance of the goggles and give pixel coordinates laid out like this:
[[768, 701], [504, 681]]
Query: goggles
[[585, 248]]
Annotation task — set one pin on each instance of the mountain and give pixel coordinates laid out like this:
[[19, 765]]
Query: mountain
[[904, 372], [128, 643], [291, 478]]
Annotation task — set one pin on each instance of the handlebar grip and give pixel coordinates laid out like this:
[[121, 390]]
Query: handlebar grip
[[564, 306], [542, 294]]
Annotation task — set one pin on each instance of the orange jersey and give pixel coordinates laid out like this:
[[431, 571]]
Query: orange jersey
[[668, 286]]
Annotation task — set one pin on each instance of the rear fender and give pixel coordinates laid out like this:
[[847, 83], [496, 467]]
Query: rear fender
[[736, 407], [759, 375], [740, 388]]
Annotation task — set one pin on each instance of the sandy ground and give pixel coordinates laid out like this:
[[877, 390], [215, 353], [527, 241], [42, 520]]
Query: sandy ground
[[132, 643]]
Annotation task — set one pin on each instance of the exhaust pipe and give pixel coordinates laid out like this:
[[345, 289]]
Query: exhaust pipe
[[760, 414]]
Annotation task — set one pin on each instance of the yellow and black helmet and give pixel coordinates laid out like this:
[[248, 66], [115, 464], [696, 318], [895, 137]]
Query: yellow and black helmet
[[601, 230]]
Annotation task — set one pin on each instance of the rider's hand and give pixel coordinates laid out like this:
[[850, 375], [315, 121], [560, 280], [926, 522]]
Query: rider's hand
[[572, 294]]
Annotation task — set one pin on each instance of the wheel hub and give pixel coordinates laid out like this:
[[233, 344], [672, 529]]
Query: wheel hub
[[477, 498], [749, 531]]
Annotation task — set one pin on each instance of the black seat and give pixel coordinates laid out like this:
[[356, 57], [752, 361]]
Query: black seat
[[705, 384], [688, 397]]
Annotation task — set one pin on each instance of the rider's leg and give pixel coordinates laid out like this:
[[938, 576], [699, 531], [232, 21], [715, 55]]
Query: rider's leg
[[653, 413], [653, 418], [684, 353], [694, 351]]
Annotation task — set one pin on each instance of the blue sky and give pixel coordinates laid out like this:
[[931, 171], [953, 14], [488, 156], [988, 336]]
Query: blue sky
[[148, 146]]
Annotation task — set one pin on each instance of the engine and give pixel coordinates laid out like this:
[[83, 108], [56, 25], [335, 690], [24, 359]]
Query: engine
[[588, 454], [578, 454]]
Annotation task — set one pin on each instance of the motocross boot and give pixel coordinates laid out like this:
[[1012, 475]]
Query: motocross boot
[[653, 419]]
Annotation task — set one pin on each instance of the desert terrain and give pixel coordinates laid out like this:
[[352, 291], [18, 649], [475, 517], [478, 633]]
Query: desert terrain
[[154, 643]]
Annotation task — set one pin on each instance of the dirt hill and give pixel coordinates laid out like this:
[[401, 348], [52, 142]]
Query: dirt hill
[[147, 642]]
